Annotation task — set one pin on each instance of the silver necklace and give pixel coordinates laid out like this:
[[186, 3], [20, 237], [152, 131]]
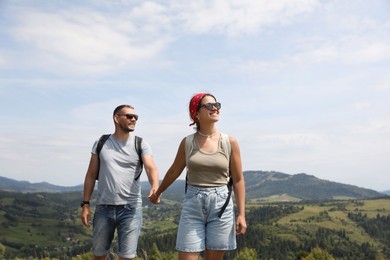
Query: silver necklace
[[208, 136]]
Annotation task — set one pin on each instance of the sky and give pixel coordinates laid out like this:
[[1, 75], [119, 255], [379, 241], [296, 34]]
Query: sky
[[304, 84]]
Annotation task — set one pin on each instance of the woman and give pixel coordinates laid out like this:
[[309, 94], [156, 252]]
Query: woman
[[209, 164]]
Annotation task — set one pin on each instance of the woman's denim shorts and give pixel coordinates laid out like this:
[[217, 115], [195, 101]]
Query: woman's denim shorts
[[200, 227]]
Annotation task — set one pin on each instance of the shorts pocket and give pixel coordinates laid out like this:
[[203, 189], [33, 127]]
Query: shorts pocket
[[222, 194], [189, 195]]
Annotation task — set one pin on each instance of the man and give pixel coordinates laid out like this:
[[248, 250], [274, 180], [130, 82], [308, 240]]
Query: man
[[118, 203]]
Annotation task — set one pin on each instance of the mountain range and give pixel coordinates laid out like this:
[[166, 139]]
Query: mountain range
[[7, 184], [263, 185]]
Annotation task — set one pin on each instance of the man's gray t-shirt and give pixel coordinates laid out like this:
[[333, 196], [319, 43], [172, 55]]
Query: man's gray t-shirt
[[119, 165]]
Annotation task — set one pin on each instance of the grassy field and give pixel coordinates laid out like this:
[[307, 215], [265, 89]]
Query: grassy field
[[275, 198], [334, 215]]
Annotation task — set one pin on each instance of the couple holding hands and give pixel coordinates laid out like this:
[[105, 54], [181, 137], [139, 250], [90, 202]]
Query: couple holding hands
[[213, 165]]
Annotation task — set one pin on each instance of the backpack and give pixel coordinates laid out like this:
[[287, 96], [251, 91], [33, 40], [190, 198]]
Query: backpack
[[226, 146], [138, 148]]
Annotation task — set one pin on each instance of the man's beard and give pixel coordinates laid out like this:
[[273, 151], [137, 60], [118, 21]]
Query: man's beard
[[126, 129]]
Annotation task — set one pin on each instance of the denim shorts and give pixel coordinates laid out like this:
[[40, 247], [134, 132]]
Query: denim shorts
[[126, 219], [200, 227]]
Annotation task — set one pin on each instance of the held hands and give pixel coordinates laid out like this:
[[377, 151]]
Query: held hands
[[153, 197]]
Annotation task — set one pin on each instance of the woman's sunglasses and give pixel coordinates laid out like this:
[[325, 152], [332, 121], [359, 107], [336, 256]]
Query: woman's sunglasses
[[209, 106]]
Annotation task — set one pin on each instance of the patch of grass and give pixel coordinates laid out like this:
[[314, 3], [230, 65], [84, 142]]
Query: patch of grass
[[371, 207], [44, 232], [275, 198], [343, 198], [325, 215]]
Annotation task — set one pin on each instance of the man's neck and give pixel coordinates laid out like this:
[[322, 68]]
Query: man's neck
[[122, 136]]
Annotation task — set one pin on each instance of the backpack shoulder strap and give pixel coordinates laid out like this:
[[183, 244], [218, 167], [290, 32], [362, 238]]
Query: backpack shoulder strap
[[188, 150], [226, 146], [101, 142], [138, 145], [188, 145], [138, 148], [99, 147]]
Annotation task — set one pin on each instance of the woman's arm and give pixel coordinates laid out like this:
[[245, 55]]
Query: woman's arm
[[238, 185], [172, 174]]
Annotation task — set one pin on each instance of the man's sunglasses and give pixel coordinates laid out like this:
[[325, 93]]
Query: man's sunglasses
[[130, 116], [209, 106]]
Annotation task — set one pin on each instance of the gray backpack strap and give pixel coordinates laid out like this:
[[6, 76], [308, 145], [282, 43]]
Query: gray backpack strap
[[226, 146], [188, 150], [188, 146]]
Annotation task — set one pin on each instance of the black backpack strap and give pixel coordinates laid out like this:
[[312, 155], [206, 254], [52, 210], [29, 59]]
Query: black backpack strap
[[138, 148], [101, 142], [99, 147], [230, 188], [186, 185]]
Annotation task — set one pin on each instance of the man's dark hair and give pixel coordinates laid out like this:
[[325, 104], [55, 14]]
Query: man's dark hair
[[119, 108]]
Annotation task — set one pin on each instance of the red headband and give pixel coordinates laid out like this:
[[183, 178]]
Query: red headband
[[194, 104]]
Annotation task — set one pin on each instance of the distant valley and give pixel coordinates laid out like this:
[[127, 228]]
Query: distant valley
[[288, 216]]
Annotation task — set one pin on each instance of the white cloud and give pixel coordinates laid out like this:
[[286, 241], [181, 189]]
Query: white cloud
[[375, 128], [383, 84], [2, 60], [362, 105], [349, 49], [293, 139], [237, 17], [85, 41]]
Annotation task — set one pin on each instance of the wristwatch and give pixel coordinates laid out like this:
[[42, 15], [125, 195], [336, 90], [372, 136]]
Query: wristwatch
[[84, 202]]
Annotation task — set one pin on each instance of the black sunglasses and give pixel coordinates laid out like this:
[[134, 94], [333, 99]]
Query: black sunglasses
[[130, 116], [209, 106]]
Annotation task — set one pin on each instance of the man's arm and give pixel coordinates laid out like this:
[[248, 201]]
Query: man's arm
[[151, 172], [89, 185]]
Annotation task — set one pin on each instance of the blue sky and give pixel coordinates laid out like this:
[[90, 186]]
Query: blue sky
[[304, 85]]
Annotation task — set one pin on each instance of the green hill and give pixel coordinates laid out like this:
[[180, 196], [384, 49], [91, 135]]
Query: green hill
[[33, 223], [271, 186], [260, 185], [7, 184], [287, 215], [347, 229]]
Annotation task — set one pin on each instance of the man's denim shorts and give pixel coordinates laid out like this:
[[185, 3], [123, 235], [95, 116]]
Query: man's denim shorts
[[127, 219], [200, 227]]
